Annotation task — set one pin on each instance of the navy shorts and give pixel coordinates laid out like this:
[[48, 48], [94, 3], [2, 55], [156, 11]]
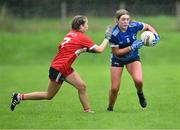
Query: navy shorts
[[55, 75], [118, 63]]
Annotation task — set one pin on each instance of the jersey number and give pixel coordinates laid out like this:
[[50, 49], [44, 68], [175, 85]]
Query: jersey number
[[66, 40]]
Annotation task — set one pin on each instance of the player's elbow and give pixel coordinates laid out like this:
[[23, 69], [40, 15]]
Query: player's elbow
[[147, 27]]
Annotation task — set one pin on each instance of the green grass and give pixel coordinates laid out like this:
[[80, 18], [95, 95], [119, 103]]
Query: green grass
[[27, 49]]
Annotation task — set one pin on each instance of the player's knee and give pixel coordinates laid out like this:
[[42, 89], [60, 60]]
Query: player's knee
[[81, 87], [49, 97], [139, 82], [114, 91]]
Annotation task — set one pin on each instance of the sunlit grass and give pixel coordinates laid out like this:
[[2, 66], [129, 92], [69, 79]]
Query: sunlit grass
[[27, 49]]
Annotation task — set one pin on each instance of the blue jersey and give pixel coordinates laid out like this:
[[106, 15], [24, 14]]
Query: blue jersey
[[123, 39]]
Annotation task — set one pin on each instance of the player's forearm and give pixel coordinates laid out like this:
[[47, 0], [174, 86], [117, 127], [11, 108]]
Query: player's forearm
[[101, 47], [150, 28], [121, 52]]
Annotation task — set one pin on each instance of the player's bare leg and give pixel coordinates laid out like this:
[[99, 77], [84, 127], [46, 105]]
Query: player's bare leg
[[53, 88], [135, 70], [75, 80], [116, 73]]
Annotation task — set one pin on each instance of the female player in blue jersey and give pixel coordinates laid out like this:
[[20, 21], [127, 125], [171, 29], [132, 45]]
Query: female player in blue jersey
[[125, 48]]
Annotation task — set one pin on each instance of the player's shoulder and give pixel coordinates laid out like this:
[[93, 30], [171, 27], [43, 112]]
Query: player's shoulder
[[115, 30], [135, 24], [83, 36]]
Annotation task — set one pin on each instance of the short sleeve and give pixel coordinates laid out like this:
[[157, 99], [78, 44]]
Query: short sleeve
[[113, 41], [87, 42], [138, 25]]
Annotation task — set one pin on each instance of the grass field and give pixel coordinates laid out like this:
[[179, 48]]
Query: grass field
[[27, 48]]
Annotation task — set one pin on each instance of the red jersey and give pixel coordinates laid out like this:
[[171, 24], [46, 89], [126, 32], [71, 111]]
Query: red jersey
[[69, 50]]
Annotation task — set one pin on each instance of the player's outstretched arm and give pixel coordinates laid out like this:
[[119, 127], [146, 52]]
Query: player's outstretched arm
[[100, 48]]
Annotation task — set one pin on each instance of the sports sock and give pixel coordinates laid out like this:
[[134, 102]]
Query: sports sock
[[139, 91], [87, 109], [21, 96]]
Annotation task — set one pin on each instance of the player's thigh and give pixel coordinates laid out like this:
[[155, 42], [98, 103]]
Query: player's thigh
[[53, 87], [75, 80], [116, 74], [135, 70]]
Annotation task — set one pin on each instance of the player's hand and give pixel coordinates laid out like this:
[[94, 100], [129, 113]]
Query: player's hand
[[108, 32], [156, 40], [136, 45]]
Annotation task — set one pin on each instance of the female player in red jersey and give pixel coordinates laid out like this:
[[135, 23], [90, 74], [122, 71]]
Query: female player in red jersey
[[74, 43]]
